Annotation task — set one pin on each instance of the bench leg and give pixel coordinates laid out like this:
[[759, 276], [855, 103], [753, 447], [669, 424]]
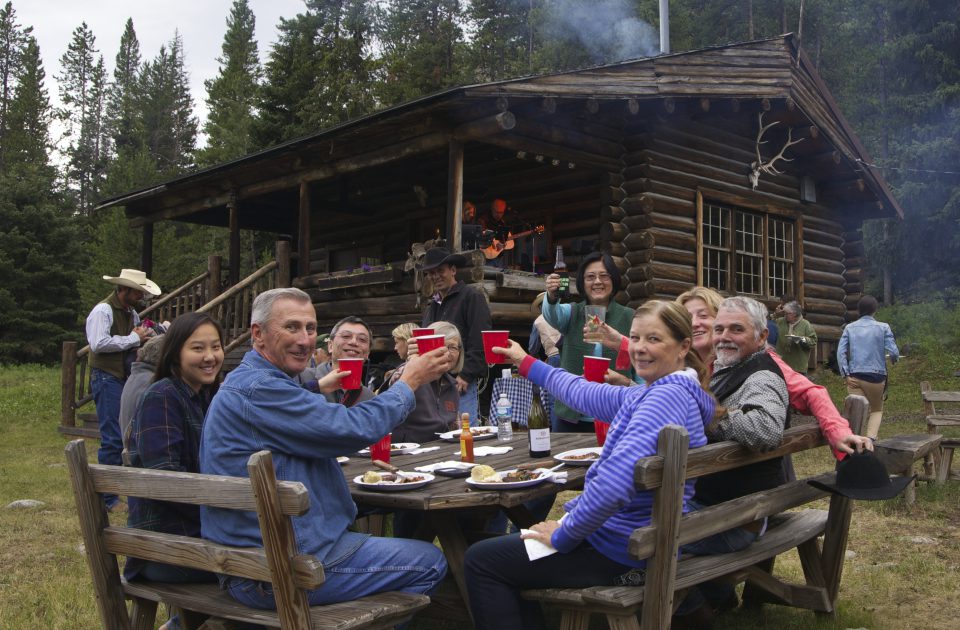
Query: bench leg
[[143, 614], [571, 619], [752, 596], [622, 622], [910, 493], [946, 462]]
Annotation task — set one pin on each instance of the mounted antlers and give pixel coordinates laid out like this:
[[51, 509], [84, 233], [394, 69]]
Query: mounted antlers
[[759, 166]]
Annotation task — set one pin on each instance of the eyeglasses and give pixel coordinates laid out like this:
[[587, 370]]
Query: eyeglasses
[[347, 337], [593, 277], [452, 347]]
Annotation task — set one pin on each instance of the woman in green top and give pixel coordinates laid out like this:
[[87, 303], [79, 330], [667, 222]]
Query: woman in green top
[[795, 337], [598, 280]]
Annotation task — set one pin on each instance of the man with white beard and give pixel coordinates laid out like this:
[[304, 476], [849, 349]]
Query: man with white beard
[[753, 411]]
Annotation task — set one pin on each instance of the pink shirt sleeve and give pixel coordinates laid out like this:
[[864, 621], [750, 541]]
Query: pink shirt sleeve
[[809, 398]]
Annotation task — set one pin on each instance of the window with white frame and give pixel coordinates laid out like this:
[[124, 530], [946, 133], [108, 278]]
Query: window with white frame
[[747, 252]]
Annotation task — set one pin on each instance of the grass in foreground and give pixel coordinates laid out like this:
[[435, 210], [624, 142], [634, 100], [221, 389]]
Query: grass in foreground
[[904, 571]]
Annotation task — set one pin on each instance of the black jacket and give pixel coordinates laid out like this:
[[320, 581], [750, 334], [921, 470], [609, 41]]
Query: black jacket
[[467, 309]]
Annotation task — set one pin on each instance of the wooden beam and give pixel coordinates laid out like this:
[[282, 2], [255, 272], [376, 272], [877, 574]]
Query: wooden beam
[[455, 196], [233, 275], [303, 231], [146, 250]]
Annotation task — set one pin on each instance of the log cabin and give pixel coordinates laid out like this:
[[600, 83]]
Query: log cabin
[[730, 166]]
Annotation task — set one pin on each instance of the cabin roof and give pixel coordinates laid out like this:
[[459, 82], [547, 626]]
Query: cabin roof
[[772, 69]]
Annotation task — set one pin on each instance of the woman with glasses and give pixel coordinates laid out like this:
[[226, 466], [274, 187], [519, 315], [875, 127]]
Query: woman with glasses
[[437, 401], [598, 281]]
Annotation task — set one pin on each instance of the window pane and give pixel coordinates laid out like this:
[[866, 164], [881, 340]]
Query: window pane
[[749, 233], [716, 268], [749, 274], [716, 226]]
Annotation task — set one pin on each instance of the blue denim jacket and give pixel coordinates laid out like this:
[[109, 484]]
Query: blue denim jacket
[[259, 407], [863, 345]]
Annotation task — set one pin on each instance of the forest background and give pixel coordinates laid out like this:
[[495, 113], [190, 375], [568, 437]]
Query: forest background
[[893, 66]]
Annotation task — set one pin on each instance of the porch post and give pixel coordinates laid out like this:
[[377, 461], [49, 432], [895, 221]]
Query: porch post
[[303, 231], [234, 272], [283, 264], [455, 196], [146, 250]]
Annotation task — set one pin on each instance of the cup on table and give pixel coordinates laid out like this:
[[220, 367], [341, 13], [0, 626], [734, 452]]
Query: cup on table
[[594, 316], [422, 332], [381, 450], [494, 339], [600, 428], [595, 368], [354, 379], [426, 343]]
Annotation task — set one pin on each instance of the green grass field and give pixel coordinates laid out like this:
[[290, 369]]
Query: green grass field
[[903, 571]]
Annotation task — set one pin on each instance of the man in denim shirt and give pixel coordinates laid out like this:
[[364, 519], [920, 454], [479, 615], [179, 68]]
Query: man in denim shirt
[[860, 356], [260, 406]]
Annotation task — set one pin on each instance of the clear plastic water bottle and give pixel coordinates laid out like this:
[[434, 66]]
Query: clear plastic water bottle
[[504, 419]]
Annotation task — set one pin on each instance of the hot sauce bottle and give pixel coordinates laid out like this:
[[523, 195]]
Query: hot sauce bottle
[[466, 439]]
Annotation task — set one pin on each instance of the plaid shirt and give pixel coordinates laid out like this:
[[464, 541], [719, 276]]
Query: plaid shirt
[[166, 436]]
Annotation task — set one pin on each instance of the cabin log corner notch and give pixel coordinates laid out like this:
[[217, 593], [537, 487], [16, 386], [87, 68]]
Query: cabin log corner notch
[[656, 161]]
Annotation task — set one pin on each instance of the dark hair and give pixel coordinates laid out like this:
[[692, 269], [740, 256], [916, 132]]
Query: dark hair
[[180, 330], [350, 319], [607, 264], [867, 305]]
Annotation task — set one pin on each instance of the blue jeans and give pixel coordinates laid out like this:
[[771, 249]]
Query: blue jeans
[[723, 542], [377, 566], [106, 389], [470, 403]]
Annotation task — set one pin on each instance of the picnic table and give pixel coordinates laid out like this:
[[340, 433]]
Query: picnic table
[[445, 499]]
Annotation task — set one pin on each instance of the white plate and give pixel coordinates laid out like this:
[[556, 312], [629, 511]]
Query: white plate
[[565, 456], [400, 448], [479, 433], [506, 485], [342, 460], [388, 486]]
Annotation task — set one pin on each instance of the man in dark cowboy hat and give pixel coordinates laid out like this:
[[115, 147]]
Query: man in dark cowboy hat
[[114, 334], [467, 309]]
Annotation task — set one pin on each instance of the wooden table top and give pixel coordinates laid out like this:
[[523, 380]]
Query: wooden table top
[[453, 493]]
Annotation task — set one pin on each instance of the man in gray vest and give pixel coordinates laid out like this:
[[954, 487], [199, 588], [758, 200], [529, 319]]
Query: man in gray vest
[[114, 334]]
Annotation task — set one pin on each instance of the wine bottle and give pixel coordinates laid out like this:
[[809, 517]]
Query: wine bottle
[[466, 439], [539, 428], [560, 268]]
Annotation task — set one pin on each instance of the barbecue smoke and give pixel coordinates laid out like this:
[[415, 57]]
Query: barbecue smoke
[[608, 29]]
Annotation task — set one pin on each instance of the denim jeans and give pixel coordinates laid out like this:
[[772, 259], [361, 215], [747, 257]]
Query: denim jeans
[[106, 389], [723, 542], [470, 403], [497, 569], [378, 565]]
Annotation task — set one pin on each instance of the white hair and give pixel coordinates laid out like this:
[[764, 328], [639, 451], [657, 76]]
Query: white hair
[[755, 310], [263, 303]]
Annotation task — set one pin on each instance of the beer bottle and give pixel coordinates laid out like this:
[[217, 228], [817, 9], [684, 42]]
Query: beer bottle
[[560, 268], [539, 428], [466, 439]]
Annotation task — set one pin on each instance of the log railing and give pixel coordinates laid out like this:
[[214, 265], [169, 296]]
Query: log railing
[[202, 293]]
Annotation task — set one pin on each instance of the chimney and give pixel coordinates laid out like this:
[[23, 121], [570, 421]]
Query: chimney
[[664, 27]]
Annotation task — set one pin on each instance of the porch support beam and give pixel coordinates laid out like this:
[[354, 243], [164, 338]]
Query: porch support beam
[[455, 196]]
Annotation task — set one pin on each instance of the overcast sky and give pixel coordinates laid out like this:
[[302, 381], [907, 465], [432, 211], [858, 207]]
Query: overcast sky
[[202, 24]]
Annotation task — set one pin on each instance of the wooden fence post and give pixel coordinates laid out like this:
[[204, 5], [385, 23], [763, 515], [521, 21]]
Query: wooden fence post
[[68, 384]]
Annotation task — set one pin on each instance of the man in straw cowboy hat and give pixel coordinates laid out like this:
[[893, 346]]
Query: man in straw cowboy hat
[[114, 334]]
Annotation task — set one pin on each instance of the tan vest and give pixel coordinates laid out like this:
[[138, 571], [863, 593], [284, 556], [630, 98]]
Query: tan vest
[[115, 363]]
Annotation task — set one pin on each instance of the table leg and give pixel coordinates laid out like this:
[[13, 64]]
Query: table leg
[[454, 545]]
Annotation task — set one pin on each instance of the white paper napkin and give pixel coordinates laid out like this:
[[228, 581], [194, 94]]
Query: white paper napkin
[[482, 451], [423, 449], [535, 548], [447, 464]]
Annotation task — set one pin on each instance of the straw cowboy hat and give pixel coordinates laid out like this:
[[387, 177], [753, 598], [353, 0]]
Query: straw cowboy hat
[[537, 302], [437, 256], [863, 476], [135, 279]]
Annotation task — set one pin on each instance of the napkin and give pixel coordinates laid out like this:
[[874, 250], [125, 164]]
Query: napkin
[[535, 548], [447, 464], [481, 451], [423, 449]]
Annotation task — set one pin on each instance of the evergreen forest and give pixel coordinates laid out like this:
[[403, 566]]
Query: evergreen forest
[[130, 122]]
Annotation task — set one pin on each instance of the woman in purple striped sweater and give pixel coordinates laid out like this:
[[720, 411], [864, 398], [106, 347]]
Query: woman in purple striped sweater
[[592, 537]]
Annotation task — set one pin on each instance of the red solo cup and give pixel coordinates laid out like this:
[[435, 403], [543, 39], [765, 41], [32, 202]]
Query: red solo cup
[[495, 339], [355, 367], [595, 368], [381, 450], [427, 343], [423, 332], [600, 428]]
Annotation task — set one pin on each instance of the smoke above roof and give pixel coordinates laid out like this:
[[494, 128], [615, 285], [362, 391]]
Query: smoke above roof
[[609, 30]]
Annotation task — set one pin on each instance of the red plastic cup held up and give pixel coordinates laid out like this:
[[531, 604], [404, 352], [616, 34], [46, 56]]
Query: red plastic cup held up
[[355, 378], [494, 339], [381, 450], [422, 332], [600, 428], [595, 368], [426, 343]]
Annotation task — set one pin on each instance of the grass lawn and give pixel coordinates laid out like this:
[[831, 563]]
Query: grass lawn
[[903, 570]]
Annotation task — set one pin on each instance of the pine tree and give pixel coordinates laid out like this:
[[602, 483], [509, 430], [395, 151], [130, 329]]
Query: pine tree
[[13, 39], [122, 119], [232, 95], [503, 44]]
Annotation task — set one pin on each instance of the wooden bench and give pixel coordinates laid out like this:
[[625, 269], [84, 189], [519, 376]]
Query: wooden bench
[[277, 562], [658, 543], [938, 419]]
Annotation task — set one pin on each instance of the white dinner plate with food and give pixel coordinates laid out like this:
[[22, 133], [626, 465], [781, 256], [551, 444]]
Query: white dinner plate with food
[[395, 482], [505, 481], [579, 456], [400, 448], [479, 433], [342, 460]]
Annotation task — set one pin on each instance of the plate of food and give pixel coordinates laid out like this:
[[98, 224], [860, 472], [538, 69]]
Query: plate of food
[[400, 448], [579, 456], [484, 477], [479, 433], [392, 482]]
